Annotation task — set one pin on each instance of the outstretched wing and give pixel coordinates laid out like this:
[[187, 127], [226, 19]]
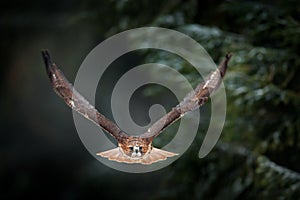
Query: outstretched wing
[[192, 101], [76, 101]]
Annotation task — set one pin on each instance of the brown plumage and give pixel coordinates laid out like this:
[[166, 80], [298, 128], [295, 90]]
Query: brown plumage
[[134, 149]]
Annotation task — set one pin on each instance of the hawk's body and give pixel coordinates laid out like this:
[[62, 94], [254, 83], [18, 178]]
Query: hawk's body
[[134, 149]]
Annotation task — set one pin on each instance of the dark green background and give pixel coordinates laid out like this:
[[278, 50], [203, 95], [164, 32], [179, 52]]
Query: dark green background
[[258, 155]]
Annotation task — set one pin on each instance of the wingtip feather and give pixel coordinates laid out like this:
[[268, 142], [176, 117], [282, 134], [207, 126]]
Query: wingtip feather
[[223, 66], [47, 60], [228, 56]]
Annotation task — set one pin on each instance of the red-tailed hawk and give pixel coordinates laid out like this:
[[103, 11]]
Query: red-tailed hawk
[[134, 149]]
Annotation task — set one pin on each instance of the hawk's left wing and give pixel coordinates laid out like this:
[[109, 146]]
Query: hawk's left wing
[[192, 101]]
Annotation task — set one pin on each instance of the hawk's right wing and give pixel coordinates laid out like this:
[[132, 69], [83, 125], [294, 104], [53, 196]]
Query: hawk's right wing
[[76, 101]]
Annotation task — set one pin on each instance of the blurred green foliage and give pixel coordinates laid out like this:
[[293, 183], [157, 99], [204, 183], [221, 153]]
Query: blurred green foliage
[[263, 101], [257, 156]]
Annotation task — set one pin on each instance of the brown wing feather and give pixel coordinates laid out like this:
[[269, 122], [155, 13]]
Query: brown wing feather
[[192, 101], [76, 101]]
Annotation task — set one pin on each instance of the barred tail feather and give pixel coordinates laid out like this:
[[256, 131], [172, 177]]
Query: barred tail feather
[[154, 156]]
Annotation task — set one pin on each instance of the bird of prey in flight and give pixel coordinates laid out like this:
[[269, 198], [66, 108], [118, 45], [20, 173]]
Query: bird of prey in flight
[[134, 149]]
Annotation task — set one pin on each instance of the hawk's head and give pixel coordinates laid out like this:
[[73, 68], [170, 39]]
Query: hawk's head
[[135, 148]]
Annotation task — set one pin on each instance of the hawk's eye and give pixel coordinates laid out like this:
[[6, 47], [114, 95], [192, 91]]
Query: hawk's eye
[[131, 148]]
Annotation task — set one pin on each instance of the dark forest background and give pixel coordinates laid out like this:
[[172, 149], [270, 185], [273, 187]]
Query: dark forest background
[[258, 154]]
